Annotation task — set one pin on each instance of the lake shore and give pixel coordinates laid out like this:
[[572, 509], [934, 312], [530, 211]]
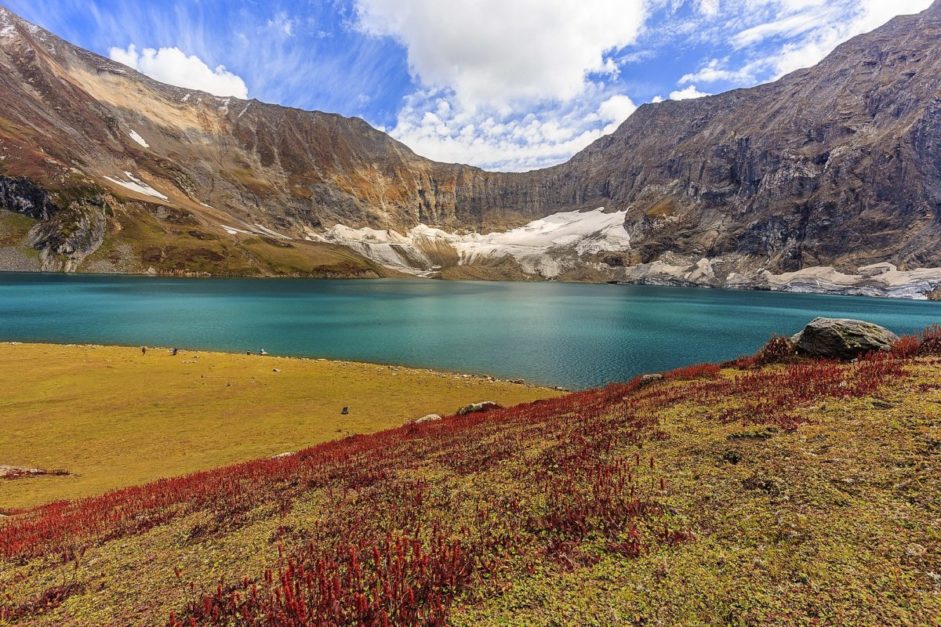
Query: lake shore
[[113, 416]]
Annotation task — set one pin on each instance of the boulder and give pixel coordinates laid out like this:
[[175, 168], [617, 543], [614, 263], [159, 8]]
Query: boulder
[[428, 418], [834, 338], [474, 408]]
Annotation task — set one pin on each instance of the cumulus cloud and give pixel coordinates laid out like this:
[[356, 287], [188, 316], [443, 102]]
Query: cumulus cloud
[[495, 52], [508, 84], [173, 66], [687, 94], [435, 124]]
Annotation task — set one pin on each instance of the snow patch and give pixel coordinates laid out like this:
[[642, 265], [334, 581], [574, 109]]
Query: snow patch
[[8, 24], [140, 140], [136, 185], [546, 247], [262, 230], [231, 230], [253, 229]]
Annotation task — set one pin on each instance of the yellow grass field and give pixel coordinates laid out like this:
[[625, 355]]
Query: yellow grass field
[[113, 417]]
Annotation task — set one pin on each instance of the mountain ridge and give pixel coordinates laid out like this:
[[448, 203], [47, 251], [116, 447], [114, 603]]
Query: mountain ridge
[[830, 167]]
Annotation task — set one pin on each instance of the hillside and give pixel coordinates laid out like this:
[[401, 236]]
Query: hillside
[[758, 492], [826, 180]]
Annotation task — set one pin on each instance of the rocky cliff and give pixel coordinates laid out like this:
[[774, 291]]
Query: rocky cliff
[[828, 179]]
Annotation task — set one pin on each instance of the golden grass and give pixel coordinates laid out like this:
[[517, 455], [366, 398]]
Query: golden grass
[[114, 417]]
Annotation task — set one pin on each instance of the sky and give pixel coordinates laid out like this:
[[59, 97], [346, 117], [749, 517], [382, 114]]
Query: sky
[[501, 84]]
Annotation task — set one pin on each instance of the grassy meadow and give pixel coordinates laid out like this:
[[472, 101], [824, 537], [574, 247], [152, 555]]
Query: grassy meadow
[[113, 417], [801, 493]]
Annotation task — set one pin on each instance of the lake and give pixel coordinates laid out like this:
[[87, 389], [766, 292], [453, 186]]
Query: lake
[[570, 335]]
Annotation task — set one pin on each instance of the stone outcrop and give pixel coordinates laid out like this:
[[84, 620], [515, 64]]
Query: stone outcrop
[[834, 338], [63, 237]]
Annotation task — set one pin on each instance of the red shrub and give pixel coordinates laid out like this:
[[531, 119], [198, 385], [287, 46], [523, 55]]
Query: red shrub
[[699, 371]]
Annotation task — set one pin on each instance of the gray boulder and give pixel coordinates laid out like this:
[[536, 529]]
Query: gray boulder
[[473, 408], [835, 338], [428, 418]]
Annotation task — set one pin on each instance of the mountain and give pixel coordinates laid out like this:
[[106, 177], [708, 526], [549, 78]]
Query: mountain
[[826, 180]]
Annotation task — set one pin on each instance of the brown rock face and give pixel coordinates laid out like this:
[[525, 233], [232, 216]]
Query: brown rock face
[[839, 164]]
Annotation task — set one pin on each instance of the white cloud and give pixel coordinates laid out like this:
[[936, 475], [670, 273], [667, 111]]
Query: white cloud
[[173, 66], [508, 84], [775, 37], [715, 71], [687, 94], [495, 52], [436, 125], [615, 110], [709, 7], [282, 24]]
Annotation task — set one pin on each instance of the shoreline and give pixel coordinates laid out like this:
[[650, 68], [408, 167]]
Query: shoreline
[[905, 292], [471, 376]]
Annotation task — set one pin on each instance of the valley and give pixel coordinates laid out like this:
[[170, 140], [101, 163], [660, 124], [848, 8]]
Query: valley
[[825, 180]]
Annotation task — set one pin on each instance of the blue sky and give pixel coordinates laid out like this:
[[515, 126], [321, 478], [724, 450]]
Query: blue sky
[[503, 84]]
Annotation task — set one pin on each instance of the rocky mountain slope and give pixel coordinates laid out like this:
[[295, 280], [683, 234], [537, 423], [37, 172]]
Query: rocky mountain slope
[[827, 180]]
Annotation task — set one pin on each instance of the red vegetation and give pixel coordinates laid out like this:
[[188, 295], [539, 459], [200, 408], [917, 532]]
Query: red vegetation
[[698, 371], [390, 547]]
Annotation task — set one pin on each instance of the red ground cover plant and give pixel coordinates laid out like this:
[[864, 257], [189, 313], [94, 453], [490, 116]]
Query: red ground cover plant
[[392, 547]]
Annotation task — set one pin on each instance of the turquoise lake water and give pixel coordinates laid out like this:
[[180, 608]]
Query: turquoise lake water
[[550, 333]]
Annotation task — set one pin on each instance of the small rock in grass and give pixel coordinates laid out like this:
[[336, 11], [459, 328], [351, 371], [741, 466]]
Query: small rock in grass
[[275, 370], [915, 550], [474, 408], [428, 418], [19, 472]]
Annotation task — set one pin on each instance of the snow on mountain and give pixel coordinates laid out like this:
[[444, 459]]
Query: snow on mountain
[[545, 247]]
